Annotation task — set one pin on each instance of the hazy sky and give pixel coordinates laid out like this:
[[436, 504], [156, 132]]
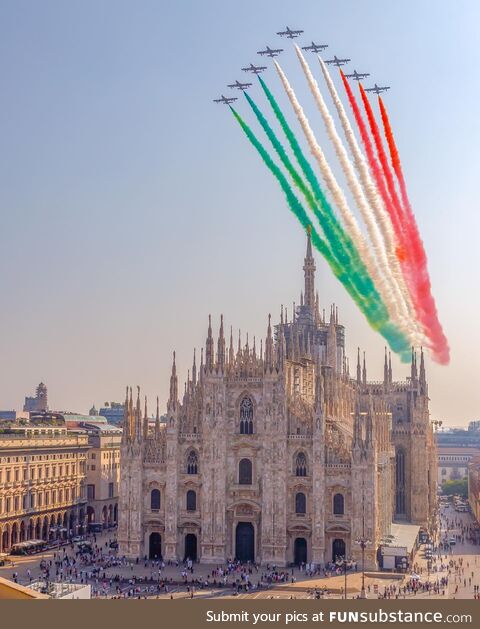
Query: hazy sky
[[132, 206]]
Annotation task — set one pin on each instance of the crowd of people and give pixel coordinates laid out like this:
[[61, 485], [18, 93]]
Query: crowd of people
[[96, 562]]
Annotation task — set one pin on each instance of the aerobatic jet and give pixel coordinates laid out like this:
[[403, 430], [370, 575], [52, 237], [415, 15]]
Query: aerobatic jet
[[240, 86], [224, 100], [270, 52], [315, 47], [254, 69], [336, 61], [377, 89], [289, 33], [357, 76]]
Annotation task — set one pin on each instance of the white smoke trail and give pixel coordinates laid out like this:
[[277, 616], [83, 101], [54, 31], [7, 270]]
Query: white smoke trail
[[376, 204], [339, 199], [388, 288]]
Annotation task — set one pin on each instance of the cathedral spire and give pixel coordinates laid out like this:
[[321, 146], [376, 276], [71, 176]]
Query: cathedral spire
[[126, 420], [221, 347], [145, 421], [390, 380], [231, 352], [138, 417], [209, 358], [364, 371], [157, 421], [269, 346], [422, 375], [281, 349], [194, 367], [414, 366], [309, 273], [385, 371], [359, 371], [173, 397]]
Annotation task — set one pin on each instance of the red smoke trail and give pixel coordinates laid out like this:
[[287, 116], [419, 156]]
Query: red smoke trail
[[415, 279], [395, 157], [419, 257], [376, 170], [397, 206]]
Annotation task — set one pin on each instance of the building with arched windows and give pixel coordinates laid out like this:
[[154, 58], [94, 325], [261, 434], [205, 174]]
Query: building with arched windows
[[275, 453]]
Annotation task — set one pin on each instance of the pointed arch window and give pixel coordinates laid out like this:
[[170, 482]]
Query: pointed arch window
[[191, 500], [246, 416], [192, 462], [301, 464], [338, 504], [155, 500], [400, 482], [300, 503], [245, 472]]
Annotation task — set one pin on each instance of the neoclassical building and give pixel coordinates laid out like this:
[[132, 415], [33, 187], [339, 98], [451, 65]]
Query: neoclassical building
[[42, 483], [277, 454]]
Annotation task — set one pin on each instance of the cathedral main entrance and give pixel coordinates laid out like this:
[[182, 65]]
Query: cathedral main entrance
[[155, 546], [300, 551], [338, 549], [191, 546], [245, 542]]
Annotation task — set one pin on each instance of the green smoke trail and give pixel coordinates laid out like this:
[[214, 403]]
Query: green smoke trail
[[336, 246], [394, 337], [328, 217]]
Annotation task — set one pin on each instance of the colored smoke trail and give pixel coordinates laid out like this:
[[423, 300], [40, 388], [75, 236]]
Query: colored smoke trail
[[416, 276], [335, 237], [387, 291], [374, 165], [441, 349], [351, 224], [397, 206], [277, 145], [389, 331], [376, 203], [328, 219], [342, 246]]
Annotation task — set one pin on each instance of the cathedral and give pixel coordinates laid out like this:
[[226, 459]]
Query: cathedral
[[277, 454]]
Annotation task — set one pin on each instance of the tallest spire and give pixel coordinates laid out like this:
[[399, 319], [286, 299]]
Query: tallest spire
[[309, 273]]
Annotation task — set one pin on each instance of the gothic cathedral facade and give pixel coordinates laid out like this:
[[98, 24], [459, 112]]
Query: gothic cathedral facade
[[278, 455]]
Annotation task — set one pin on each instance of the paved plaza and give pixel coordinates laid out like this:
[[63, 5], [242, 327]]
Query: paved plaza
[[111, 576]]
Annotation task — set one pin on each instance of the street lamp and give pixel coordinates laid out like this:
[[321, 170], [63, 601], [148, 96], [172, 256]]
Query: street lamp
[[342, 561], [363, 542]]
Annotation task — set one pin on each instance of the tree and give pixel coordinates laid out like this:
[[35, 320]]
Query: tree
[[459, 487]]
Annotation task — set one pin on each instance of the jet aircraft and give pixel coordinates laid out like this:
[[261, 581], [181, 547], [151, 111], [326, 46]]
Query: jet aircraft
[[254, 69], [315, 47], [377, 89], [224, 100], [270, 52], [289, 33], [337, 62], [240, 86], [357, 76]]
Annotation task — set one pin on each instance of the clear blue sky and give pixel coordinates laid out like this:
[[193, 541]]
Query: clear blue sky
[[131, 206]]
